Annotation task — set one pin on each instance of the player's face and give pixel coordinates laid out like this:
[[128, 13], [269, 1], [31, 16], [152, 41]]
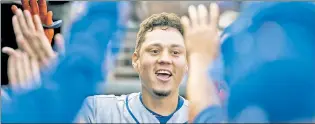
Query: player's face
[[162, 61]]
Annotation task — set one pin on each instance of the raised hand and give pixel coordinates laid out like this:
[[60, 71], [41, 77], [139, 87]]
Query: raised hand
[[31, 37], [23, 71], [202, 44], [201, 32], [40, 9], [24, 66]]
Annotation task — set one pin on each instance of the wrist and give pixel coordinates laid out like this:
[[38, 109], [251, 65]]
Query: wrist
[[199, 60]]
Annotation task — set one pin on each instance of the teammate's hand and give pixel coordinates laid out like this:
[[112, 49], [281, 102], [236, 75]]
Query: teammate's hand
[[30, 37], [201, 33], [40, 9], [23, 71]]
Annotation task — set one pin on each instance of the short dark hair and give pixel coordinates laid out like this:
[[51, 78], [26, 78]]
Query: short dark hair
[[158, 20]]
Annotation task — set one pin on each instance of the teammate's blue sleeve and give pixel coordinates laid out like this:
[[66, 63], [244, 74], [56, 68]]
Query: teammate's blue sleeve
[[73, 78], [212, 114]]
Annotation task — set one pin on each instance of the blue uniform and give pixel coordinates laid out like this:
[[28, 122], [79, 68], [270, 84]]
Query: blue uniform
[[74, 77], [269, 65]]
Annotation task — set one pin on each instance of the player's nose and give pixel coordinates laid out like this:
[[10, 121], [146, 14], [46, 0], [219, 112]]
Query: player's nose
[[164, 58]]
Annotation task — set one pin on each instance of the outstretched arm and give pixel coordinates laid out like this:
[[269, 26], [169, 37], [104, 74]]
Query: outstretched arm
[[202, 43], [73, 78]]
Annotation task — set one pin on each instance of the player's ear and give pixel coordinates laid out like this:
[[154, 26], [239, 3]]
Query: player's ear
[[135, 61]]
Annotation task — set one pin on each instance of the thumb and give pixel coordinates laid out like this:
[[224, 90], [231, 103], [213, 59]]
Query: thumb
[[9, 51], [59, 43]]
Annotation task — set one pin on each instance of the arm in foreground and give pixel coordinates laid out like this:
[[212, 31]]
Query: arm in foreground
[[202, 43], [73, 78]]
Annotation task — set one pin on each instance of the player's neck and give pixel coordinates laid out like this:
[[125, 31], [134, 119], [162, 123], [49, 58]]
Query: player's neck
[[163, 106]]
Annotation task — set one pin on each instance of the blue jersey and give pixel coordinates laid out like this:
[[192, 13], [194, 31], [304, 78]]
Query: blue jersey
[[269, 65], [74, 77]]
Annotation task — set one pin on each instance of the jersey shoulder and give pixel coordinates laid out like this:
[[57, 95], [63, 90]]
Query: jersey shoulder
[[110, 99], [108, 108]]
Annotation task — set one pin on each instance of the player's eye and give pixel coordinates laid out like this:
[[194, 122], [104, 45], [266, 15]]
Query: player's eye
[[175, 52], [155, 51]]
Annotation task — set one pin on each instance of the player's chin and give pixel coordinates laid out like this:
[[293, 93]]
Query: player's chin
[[162, 93]]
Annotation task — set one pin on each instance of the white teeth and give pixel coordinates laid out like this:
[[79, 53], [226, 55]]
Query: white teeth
[[163, 72]]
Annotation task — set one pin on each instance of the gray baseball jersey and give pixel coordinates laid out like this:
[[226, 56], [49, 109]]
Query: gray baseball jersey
[[126, 109]]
